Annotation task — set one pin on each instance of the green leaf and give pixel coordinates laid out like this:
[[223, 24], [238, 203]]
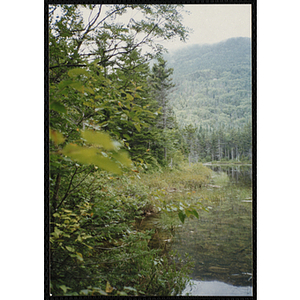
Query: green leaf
[[77, 71], [106, 164], [129, 97], [181, 216], [86, 155], [99, 139], [77, 86], [108, 288], [137, 126], [64, 83], [70, 249], [89, 104], [203, 207], [129, 288], [190, 212], [102, 293], [84, 292], [90, 247], [81, 154], [194, 212], [64, 288], [58, 107], [56, 232], [88, 89], [123, 158], [79, 256], [56, 137], [98, 290]]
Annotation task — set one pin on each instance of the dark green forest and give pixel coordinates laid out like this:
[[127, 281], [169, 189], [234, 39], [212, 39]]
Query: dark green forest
[[120, 113], [213, 96]]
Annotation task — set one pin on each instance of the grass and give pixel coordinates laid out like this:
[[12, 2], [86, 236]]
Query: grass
[[187, 177], [220, 178]]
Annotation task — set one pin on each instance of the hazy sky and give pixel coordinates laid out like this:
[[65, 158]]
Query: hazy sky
[[215, 23], [209, 23]]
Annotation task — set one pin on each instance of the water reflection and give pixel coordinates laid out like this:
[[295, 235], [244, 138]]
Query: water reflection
[[216, 288], [220, 241], [239, 174]]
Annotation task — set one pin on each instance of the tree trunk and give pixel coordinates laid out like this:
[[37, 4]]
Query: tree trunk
[[54, 199], [236, 153]]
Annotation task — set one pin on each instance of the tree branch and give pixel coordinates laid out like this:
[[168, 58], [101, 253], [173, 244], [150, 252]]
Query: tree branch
[[67, 192], [71, 191], [67, 65], [89, 28], [56, 189]]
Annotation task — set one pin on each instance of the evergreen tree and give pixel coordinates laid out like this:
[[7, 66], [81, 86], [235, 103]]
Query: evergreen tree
[[161, 84]]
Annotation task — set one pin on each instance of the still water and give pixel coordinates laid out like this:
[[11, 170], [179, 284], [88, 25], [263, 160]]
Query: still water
[[220, 241], [216, 288]]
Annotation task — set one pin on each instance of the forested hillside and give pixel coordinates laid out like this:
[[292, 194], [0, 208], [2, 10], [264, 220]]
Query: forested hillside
[[213, 84], [213, 95]]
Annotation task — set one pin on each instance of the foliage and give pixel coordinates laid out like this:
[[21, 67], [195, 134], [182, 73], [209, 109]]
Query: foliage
[[96, 242], [102, 116]]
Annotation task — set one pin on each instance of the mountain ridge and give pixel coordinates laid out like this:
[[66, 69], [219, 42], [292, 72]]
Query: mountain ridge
[[213, 84]]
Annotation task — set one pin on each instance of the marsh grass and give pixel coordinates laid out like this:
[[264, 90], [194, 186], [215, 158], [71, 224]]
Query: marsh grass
[[188, 177], [220, 178]]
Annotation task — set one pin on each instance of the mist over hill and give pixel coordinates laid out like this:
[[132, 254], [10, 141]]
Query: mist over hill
[[213, 84]]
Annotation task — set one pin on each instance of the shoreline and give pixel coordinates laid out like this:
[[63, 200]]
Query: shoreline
[[225, 164]]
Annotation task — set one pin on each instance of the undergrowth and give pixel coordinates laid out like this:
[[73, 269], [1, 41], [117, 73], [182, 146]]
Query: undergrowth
[[96, 248]]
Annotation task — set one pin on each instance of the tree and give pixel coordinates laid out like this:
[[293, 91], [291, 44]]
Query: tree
[[114, 51], [190, 137], [161, 84], [100, 119], [74, 41]]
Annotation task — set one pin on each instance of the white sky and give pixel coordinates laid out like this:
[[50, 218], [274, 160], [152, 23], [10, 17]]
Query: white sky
[[214, 23], [209, 23]]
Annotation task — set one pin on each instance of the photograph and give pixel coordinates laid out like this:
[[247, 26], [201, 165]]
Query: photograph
[[150, 149]]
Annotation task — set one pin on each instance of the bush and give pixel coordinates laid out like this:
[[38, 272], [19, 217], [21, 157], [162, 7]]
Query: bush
[[96, 248]]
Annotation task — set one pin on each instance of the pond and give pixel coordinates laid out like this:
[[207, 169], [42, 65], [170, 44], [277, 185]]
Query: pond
[[220, 241]]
